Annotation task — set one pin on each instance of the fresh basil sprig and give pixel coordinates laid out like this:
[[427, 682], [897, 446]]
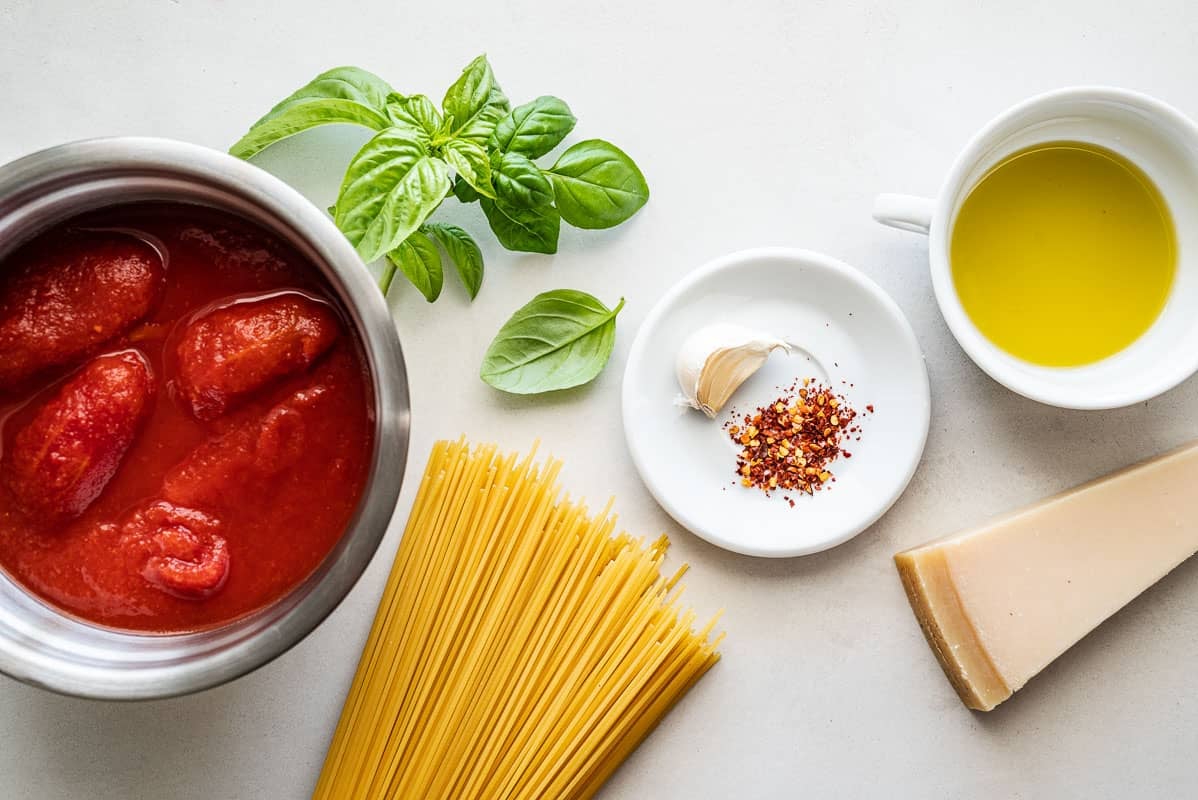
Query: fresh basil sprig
[[474, 147], [560, 339]]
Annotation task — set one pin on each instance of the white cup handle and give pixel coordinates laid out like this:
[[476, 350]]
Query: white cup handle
[[905, 212]]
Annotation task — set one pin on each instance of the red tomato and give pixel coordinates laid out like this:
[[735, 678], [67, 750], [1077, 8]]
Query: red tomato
[[62, 460], [234, 468], [58, 304], [234, 351], [279, 494], [185, 555]]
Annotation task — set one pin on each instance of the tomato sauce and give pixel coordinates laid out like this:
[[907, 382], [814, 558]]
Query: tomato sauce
[[207, 488]]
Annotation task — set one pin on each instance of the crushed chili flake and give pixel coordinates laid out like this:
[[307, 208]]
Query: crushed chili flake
[[790, 443]]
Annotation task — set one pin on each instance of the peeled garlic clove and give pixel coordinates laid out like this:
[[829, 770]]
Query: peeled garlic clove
[[715, 360], [724, 372]]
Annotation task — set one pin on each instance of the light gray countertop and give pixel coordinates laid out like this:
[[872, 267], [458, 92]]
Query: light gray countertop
[[755, 123]]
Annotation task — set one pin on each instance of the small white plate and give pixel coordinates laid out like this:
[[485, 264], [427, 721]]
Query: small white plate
[[850, 332]]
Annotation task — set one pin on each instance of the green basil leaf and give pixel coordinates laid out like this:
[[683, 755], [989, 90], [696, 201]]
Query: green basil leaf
[[534, 128], [347, 83], [419, 261], [530, 230], [463, 252], [343, 95], [596, 185], [464, 191], [416, 112], [518, 182], [470, 161], [475, 102], [390, 188], [560, 339]]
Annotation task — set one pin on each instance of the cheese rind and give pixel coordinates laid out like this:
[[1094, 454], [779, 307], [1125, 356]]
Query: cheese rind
[[999, 603], [948, 629]]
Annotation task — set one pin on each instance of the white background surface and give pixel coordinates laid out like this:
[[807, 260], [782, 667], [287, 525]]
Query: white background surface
[[755, 123]]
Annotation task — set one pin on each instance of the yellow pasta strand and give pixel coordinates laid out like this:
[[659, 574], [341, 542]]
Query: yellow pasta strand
[[521, 649]]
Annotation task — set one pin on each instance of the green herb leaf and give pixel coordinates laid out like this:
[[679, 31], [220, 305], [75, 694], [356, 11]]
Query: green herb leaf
[[391, 187], [519, 183], [463, 191], [475, 147], [419, 261], [522, 214], [342, 95], [531, 230], [475, 102], [596, 185], [416, 112], [534, 128], [463, 252], [471, 163], [560, 339]]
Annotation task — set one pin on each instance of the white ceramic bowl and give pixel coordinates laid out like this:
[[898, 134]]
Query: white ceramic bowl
[[851, 332], [1160, 140]]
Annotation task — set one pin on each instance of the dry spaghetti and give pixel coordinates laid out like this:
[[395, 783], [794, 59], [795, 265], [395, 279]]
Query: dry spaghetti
[[522, 649]]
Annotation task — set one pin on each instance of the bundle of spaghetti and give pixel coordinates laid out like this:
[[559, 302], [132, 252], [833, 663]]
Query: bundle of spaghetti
[[522, 648]]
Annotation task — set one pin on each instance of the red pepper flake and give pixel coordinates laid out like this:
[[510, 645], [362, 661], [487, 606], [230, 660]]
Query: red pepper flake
[[789, 443]]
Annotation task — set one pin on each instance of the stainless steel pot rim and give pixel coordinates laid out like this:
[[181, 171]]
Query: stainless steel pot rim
[[46, 648]]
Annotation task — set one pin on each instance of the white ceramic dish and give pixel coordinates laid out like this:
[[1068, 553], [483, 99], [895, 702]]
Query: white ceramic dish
[[850, 330]]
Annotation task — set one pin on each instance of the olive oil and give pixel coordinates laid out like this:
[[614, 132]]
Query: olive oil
[[1063, 254]]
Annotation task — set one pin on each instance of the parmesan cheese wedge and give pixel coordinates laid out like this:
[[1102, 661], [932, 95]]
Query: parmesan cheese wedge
[[1000, 602]]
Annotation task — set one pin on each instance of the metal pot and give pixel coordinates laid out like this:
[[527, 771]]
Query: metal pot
[[44, 647]]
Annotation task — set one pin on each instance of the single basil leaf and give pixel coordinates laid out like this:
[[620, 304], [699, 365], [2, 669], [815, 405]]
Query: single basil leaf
[[470, 161], [347, 83], [464, 191], [390, 188], [419, 261], [534, 128], [343, 95], [560, 339], [518, 182], [463, 252], [596, 185], [530, 230], [416, 112], [475, 102]]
